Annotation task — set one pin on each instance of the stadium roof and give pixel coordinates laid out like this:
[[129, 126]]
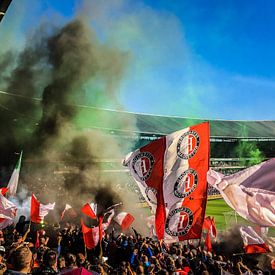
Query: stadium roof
[[127, 123]]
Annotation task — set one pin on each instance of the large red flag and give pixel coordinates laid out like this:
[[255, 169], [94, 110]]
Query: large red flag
[[171, 174], [39, 210]]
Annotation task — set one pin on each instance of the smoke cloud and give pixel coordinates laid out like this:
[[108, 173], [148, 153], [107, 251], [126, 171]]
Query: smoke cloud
[[62, 66]]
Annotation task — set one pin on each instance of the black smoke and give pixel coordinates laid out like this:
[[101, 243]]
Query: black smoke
[[44, 82]]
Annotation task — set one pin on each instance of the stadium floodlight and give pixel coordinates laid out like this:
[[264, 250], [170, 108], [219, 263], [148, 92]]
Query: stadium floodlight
[[4, 4]]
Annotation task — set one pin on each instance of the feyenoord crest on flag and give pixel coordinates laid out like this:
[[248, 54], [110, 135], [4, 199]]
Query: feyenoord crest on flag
[[171, 174]]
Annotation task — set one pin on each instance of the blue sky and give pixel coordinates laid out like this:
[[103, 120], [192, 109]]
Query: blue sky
[[205, 59]]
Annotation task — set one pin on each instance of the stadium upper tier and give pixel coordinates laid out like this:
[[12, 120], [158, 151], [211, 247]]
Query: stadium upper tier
[[120, 121]]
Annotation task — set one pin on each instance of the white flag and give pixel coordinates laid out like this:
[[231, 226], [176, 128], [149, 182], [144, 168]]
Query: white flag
[[7, 212], [250, 192], [13, 182]]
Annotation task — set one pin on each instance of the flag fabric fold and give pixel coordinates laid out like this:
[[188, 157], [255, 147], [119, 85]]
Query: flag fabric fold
[[124, 219], [90, 209], [171, 175], [253, 243], [13, 182], [92, 235], [249, 192], [7, 212], [39, 210]]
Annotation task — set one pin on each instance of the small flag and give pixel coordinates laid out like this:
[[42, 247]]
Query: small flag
[[13, 182], [253, 243], [39, 210], [7, 212], [90, 209], [124, 219], [68, 211]]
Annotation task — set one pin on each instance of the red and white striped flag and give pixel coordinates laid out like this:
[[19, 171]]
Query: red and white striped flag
[[7, 212], [90, 209], [253, 243], [124, 219], [39, 210], [171, 174]]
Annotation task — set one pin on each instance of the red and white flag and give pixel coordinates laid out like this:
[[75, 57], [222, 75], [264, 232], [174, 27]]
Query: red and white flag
[[171, 174], [124, 219], [90, 209], [39, 210], [93, 235], [253, 243], [7, 212], [90, 236], [69, 211], [4, 190], [250, 192]]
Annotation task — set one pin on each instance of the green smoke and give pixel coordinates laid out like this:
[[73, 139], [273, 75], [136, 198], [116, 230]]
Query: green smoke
[[248, 151]]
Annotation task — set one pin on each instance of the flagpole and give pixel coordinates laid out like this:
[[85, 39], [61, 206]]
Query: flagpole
[[100, 250], [85, 249]]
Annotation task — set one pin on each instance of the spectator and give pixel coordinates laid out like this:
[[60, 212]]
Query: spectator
[[20, 260]]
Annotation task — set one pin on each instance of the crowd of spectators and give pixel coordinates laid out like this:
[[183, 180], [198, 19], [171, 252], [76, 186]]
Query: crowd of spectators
[[57, 249]]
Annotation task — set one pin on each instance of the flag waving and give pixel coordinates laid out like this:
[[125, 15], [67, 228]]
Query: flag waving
[[39, 210], [171, 174], [69, 211], [250, 192], [13, 182], [253, 243], [7, 212], [90, 209], [124, 219]]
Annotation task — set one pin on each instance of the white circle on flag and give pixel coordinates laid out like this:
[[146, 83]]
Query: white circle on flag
[[186, 183], [188, 145], [179, 221], [142, 165]]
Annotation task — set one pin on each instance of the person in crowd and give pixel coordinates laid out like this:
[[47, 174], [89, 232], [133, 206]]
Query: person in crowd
[[20, 260]]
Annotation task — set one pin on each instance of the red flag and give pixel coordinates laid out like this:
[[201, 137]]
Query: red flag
[[208, 243], [39, 210], [90, 209], [90, 236], [171, 174], [213, 228], [253, 243], [4, 190], [209, 225], [124, 219]]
